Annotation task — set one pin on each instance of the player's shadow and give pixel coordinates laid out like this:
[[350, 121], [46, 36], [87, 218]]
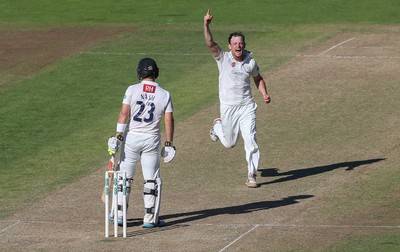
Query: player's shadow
[[181, 219], [301, 173], [240, 209], [134, 222]]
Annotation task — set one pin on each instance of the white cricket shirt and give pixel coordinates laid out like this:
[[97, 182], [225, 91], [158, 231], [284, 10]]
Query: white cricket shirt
[[234, 78], [148, 102]]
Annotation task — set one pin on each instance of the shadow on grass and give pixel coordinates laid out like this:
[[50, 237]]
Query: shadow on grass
[[144, 231], [301, 173], [185, 218], [240, 209]]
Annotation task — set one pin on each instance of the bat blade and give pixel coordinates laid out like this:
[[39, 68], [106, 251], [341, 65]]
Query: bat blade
[[111, 167]]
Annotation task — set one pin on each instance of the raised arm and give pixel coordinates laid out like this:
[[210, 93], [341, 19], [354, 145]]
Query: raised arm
[[214, 47]]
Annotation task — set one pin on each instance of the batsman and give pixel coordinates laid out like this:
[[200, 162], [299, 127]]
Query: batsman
[[143, 106]]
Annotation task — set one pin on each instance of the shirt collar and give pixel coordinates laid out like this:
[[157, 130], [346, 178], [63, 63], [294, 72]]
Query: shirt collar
[[246, 55], [149, 82]]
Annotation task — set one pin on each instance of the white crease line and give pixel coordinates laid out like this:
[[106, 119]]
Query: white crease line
[[333, 47], [371, 47], [204, 54], [5, 229], [302, 226], [52, 222], [147, 53], [216, 225], [227, 246], [329, 226], [347, 56]]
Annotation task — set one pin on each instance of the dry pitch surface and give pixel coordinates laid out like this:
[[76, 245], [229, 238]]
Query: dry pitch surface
[[302, 200]]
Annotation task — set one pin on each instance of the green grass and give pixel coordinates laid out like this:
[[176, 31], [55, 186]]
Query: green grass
[[389, 242], [282, 12], [55, 125]]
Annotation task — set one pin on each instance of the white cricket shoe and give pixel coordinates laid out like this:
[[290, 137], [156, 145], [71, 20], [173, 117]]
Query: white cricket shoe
[[213, 135], [251, 181]]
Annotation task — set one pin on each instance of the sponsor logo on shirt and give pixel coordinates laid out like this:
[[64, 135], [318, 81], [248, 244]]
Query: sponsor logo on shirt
[[238, 73], [149, 88]]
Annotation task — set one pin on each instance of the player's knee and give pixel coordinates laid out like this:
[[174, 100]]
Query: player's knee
[[230, 143], [230, 146], [152, 196], [253, 144]]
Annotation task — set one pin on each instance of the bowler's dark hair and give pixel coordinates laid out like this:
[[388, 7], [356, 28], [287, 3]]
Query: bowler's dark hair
[[236, 34]]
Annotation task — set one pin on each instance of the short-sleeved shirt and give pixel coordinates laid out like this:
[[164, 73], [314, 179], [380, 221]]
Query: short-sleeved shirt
[[148, 102], [234, 78]]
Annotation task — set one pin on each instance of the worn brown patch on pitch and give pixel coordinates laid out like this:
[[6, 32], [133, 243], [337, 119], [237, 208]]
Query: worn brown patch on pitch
[[24, 52]]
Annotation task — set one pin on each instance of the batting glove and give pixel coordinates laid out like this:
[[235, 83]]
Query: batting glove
[[168, 152], [114, 143]]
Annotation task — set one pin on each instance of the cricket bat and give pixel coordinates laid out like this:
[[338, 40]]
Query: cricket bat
[[113, 164], [111, 167]]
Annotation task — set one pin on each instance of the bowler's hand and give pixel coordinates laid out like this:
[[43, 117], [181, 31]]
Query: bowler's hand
[[208, 18], [267, 98]]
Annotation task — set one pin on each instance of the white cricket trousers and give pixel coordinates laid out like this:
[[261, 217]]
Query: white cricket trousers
[[146, 149], [243, 119]]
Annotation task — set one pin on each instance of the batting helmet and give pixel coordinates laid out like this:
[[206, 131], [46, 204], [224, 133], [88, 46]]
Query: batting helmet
[[147, 67]]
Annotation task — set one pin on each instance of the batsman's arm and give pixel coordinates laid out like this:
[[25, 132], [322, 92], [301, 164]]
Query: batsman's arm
[[169, 126], [123, 119], [169, 150]]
